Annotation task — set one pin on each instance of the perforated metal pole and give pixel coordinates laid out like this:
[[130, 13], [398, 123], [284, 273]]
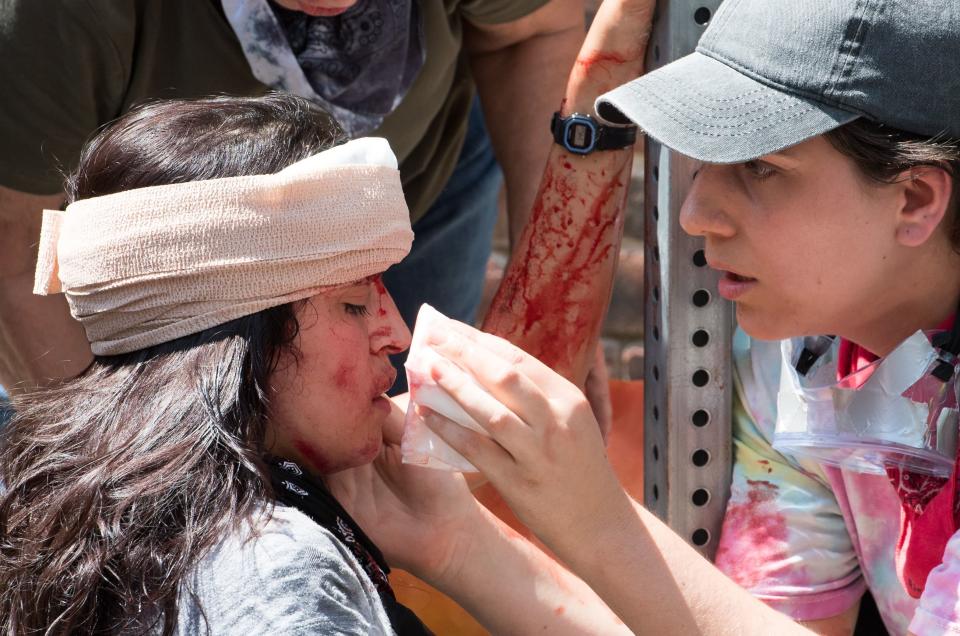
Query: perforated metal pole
[[688, 331]]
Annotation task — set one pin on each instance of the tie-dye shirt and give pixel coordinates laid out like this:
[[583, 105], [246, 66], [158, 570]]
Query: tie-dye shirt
[[809, 539]]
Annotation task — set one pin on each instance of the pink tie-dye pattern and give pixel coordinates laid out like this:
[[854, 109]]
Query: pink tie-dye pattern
[[754, 536], [939, 611], [806, 576]]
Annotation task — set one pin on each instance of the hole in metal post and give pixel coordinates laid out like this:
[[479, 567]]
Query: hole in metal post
[[656, 173], [701, 16], [656, 293], [700, 457], [656, 452], [656, 333], [656, 53], [701, 377], [656, 213], [700, 497], [701, 297], [656, 413], [701, 337], [700, 418], [699, 259], [656, 372], [656, 492], [700, 537], [656, 254]]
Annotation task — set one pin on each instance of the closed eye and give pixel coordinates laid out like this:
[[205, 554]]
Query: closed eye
[[356, 310]]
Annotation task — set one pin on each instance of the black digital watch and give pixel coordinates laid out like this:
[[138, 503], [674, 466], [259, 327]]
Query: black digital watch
[[582, 134]]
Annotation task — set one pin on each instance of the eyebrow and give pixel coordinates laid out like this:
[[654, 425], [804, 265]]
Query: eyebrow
[[790, 153]]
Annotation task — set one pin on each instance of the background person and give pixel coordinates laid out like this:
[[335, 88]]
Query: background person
[[406, 70], [828, 198]]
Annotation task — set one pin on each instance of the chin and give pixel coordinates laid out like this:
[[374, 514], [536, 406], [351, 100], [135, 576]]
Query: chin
[[369, 452], [762, 326]]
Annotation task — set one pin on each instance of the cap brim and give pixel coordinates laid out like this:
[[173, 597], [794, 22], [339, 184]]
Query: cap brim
[[707, 110]]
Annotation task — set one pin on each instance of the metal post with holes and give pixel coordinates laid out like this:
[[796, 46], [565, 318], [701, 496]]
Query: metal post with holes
[[688, 330]]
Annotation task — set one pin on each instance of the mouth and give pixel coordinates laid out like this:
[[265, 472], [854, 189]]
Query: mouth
[[732, 284], [728, 272], [737, 278]]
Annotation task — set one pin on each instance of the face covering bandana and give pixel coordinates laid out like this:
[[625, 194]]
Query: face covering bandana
[[358, 65], [898, 412], [153, 264]]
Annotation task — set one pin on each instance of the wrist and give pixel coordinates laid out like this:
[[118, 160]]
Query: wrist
[[607, 525], [453, 544], [471, 547]]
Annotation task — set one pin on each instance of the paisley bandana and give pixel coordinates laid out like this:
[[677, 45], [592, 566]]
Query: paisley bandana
[[358, 65]]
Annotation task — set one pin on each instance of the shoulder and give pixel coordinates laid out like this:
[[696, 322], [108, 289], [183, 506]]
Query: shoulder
[[26, 19], [289, 546], [67, 47], [286, 575]]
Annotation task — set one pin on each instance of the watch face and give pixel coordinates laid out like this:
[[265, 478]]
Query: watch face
[[580, 134]]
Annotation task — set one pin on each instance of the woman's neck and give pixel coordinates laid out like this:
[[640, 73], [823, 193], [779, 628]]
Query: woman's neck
[[924, 298]]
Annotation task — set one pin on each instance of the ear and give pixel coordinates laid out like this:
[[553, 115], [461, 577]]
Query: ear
[[926, 200]]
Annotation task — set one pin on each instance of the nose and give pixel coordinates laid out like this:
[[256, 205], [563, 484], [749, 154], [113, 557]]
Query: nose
[[702, 212], [389, 334]]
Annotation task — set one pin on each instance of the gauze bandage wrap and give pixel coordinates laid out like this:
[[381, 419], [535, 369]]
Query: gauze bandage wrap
[[153, 264]]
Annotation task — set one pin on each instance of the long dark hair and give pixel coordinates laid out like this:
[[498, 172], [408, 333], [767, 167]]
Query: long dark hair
[[120, 480]]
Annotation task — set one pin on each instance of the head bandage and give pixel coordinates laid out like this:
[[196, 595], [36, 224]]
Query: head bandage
[[153, 264]]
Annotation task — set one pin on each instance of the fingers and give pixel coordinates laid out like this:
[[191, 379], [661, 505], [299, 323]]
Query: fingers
[[483, 452], [597, 392], [501, 363], [495, 417]]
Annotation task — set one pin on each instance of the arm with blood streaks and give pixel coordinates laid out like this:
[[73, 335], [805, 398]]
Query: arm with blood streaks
[[555, 290]]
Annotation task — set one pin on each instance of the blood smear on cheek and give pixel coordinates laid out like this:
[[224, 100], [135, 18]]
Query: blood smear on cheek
[[344, 377]]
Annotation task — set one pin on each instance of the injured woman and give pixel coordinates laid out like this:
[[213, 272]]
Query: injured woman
[[223, 463]]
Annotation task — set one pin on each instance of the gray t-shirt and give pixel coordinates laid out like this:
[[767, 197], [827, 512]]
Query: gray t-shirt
[[294, 578]]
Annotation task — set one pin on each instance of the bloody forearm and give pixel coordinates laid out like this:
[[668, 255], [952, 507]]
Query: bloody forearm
[[556, 288], [555, 291]]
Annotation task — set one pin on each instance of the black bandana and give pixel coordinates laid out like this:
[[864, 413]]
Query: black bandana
[[296, 488], [358, 65]]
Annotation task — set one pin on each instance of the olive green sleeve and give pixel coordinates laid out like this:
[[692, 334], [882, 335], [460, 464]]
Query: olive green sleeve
[[64, 73]]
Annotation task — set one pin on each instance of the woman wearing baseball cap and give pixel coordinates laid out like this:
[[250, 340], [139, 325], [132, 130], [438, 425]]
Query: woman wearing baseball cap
[[829, 136]]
